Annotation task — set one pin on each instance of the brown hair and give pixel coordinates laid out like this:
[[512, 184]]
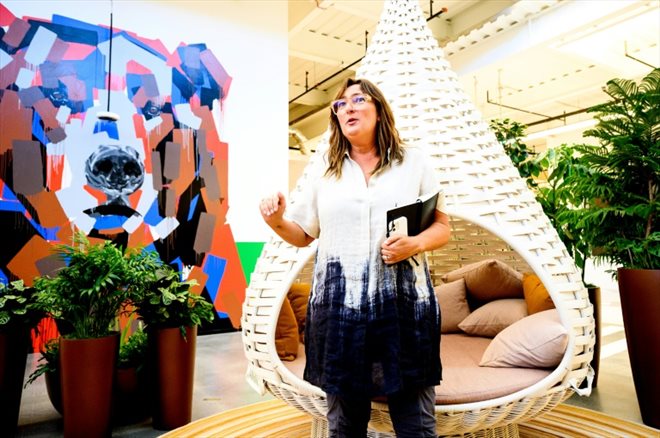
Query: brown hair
[[388, 143]]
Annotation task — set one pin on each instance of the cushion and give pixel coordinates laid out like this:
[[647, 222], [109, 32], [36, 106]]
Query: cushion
[[286, 333], [537, 341], [491, 318], [298, 296], [463, 380], [488, 280], [536, 296], [453, 305]]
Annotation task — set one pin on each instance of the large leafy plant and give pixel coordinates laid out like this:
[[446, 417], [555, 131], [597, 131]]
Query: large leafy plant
[[166, 301], [18, 306], [557, 198], [619, 179], [86, 296], [509, 134]]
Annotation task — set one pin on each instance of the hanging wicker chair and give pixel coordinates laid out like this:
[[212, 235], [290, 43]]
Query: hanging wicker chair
[[493, 215]]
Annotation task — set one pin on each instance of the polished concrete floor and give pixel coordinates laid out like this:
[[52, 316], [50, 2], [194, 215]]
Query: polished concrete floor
[[220, 383]]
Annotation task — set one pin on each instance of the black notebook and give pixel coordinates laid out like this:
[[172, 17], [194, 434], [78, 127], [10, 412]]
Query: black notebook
[[413, 218]]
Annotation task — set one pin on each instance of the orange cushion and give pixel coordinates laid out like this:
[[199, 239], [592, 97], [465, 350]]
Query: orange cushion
[[536, 296], [299, 297], [286, 333]]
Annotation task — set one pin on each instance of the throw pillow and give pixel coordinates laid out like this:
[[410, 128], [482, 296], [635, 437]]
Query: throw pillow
[[488, 280], [490, 319], [453, 305], [537, 341], [536, 295], [298, 296], [286, 333]]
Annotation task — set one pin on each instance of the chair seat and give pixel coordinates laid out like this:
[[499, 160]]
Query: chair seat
[[464, 381]]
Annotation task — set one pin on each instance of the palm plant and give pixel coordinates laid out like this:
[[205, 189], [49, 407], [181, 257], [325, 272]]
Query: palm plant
[[617, 208], [86, 296]]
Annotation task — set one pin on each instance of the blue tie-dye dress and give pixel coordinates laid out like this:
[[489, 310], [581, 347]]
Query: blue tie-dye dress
[[372, 329]]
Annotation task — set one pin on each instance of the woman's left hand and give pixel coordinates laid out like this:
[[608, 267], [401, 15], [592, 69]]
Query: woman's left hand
[[397, 248]]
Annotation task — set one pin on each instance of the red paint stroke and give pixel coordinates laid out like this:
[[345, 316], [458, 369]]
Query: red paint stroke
[[54, 172], [135, 67], [46, 330], [6, 17], [231, 292], [117, 82], [77, 51], [134, 198], [99, 195]]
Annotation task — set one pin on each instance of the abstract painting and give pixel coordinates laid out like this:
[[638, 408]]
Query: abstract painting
[[156, 178]]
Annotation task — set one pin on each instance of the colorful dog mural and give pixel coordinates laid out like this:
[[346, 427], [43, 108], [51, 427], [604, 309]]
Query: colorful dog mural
[[156, 178]]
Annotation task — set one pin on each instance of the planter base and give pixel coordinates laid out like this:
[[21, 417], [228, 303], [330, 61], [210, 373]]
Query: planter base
[[640, 306]]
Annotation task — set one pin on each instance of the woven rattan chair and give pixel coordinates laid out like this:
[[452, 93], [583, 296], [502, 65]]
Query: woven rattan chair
[[493, 215]]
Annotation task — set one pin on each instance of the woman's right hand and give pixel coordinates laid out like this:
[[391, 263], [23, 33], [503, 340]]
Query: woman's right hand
[[272, 208]]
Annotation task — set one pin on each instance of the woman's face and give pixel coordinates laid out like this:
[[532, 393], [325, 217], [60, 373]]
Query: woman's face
[[357, 119]]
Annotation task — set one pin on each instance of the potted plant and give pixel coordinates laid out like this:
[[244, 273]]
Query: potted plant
[[85, 298], [555, 197], [18, 316], [48, 366], [131, 403], [171, 313], [620, 217]]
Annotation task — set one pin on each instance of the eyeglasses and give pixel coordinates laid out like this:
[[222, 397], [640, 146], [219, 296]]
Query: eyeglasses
[[356, 101]]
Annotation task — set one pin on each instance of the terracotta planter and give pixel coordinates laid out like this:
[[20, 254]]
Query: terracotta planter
[[172, 370], [131, 401], [87, 368], [13, 356], [640, 305]]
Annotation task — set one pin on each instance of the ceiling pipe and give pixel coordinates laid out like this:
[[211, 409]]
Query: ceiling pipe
[[492, 102], [442, 11]]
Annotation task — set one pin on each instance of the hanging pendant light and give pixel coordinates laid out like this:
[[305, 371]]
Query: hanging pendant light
[[107, 115]]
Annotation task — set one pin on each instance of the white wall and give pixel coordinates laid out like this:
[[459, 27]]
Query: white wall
[[249, 38]]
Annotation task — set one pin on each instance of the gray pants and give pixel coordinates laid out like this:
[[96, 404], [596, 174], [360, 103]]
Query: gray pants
[[412, 413]]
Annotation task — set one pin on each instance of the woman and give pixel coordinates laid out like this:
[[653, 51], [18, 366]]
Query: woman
[[373, 322]]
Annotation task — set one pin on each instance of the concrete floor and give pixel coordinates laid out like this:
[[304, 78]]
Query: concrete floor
[[220, 381]]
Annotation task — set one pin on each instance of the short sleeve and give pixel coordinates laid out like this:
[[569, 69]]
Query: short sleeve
[[303, 206], [431, 183]]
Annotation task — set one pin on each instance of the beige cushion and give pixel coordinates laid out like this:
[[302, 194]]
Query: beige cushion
[[537, 341], [536, 296], [286, 333], [453, 305], [464, 381], [488, 280], [491, 318]]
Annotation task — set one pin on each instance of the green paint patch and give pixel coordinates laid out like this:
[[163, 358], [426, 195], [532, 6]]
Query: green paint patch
[[249, 253]]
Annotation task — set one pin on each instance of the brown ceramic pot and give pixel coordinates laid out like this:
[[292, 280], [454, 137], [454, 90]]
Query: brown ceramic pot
[[640, 305], [131, 400], [87, 371], [172, 370]]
